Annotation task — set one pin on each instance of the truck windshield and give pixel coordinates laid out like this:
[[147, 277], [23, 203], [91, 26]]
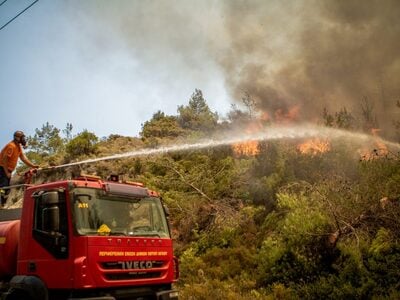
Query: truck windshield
[[98, 213]]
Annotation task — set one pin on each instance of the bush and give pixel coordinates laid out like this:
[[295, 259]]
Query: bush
[[85, 143]]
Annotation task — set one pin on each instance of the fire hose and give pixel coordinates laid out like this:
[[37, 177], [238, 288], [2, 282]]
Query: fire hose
[[29, 174], [32, 172]]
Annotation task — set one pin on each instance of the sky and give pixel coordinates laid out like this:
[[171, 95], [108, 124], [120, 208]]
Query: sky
[[108, 66], [61, 63]]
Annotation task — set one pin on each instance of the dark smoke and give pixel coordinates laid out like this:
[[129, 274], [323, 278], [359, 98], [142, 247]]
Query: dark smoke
[[316, 54]]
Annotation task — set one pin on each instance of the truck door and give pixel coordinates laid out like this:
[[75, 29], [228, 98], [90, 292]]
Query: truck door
[[49, 250]]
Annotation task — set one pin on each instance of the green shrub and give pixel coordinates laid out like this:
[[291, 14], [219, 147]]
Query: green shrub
[[85, 143]]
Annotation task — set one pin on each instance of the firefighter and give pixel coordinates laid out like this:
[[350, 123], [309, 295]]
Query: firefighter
[[8, 161]]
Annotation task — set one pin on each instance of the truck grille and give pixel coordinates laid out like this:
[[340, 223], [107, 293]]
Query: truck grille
[[122, 265], [133, 270]]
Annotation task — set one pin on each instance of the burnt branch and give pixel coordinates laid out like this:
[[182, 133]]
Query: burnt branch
[[372, 213]]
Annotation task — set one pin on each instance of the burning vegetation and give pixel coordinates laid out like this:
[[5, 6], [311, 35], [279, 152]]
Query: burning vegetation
[[249, 148], [314, 146], [376, 150]]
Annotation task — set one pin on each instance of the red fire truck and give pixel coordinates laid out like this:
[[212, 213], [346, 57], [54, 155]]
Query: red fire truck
[[87, 239]]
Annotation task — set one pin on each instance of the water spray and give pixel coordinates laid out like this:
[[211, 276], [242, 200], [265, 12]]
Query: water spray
[[268, 134]]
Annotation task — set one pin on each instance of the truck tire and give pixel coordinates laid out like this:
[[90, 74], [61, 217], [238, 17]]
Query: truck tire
[[31, 287], [14, 294]]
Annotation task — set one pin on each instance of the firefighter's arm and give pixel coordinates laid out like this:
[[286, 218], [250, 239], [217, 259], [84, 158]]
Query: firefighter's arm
[[27, 161]]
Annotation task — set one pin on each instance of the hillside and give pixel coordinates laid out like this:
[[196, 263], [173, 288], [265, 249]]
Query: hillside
[[283, 218]]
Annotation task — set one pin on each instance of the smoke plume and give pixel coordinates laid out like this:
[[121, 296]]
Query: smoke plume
[[308, 54], [315, 54]]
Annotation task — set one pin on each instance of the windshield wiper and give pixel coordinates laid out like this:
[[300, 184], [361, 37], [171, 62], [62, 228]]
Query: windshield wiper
[[117, 233], [143, 233], [88, 232]]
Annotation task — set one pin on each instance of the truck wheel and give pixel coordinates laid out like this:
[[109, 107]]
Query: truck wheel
[[24, 287], [15, 294]]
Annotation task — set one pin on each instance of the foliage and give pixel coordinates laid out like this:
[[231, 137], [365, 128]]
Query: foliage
[[46, 140], [342, 119], [68, 132], [46, 146], [295, 259], [84, 143], [161, 126], [328, 118], [237, 116], [297, 251], [114, 144], [249, 103], [45, 143], [197, 115]]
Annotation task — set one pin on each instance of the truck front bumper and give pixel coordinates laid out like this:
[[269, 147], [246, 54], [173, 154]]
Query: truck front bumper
[[167, 295], [164, 295]]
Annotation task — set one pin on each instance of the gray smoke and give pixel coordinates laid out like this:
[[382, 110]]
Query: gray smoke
[[316, 54], [310, 54]]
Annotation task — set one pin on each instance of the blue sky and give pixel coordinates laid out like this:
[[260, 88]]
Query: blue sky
[[70, 62]]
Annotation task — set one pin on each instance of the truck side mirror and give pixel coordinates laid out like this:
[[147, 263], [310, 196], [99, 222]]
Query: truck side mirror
[[51, 212], [50, 198]]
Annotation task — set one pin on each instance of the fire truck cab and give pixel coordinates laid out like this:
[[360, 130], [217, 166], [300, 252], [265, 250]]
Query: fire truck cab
[[87, 239]]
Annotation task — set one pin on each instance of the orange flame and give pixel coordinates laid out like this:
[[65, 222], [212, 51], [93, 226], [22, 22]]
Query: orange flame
[[249, 148], [380, 149], [314, 146]]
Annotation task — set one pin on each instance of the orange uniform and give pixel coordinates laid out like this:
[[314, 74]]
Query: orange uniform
[[9, 156]]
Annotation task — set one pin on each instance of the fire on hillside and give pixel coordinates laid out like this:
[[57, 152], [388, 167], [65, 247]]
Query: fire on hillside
[[378, 149], [314, 146]]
